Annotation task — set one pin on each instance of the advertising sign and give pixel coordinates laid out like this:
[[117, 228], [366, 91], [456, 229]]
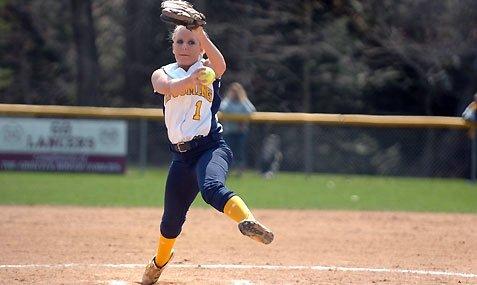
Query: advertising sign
[[68, 145]]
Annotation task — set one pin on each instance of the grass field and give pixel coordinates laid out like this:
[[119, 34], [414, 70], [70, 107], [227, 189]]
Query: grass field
[[286, 191]]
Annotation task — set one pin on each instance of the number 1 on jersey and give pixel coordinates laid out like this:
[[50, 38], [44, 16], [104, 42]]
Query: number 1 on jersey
[[198, 105]]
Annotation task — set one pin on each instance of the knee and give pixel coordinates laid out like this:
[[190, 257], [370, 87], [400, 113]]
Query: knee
[[171, 227], [216, 194], [210, 189]]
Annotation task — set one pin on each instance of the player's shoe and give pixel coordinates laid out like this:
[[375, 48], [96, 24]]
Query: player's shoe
[[256, 231], [153, 272]]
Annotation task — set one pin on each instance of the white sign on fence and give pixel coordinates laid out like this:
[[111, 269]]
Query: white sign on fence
[[63, 145]]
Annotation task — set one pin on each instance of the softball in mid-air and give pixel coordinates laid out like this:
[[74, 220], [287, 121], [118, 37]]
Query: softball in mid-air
[[208, 75]]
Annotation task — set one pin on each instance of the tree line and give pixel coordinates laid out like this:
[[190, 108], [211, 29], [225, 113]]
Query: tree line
[[331, 56]]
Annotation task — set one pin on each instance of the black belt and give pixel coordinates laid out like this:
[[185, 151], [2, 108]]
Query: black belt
[[195, 143]]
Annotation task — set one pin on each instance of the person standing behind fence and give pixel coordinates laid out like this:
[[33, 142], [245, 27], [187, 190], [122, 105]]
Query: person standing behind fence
[[470, 115], [271, 156], [235, 133], [470, 112]]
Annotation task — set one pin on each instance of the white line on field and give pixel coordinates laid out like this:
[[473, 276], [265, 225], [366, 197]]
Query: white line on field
[[241, 282], [117, 282], [249, 266]]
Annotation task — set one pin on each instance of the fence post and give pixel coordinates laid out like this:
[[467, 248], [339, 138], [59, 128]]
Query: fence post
[[308, 148], [143, 145], [473, 154]]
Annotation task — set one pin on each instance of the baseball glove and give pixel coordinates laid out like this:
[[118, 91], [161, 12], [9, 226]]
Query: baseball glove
[[181, 12]]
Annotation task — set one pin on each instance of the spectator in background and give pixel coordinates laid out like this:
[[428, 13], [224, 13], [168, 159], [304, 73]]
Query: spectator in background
[[469, 113], [271, 156], [235, 133]]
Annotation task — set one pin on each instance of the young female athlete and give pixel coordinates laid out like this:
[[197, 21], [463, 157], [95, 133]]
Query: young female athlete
[[200, 157]]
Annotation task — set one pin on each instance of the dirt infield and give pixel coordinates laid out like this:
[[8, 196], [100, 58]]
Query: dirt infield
[[72, 245]]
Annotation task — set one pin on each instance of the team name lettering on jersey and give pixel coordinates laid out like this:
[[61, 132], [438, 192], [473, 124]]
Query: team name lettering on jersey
[[202, 91]]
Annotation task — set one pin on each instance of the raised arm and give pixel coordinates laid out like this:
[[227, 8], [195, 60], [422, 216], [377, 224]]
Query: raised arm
[[215, 58]]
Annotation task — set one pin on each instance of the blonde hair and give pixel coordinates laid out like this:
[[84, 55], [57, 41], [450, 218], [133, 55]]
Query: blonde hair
[[174, 32], [237, 88]]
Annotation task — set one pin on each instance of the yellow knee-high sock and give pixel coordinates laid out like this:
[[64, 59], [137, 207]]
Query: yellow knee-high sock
[[236, 209], [164, 250]]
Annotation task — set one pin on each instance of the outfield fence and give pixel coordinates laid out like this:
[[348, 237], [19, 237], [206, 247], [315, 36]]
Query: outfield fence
[[325, 143]]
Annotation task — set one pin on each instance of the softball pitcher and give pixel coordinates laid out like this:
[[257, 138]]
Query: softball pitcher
[[200, 157]]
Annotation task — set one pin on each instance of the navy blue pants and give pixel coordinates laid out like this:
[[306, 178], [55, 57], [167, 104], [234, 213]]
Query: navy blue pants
[[203, 170], [236, 141]]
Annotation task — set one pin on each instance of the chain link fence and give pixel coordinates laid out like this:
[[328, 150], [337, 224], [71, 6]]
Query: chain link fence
[[309, 143], [312, 148]]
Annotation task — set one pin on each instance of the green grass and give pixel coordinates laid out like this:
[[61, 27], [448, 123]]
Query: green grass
[[286, 191]]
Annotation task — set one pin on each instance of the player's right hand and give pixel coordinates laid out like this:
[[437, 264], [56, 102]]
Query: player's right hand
[[197, 76]]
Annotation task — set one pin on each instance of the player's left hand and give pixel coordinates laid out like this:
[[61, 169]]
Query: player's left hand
[[181, 12]]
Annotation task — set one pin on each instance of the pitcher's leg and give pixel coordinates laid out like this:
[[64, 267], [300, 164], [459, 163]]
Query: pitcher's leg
[[181, 190], [211, 171]]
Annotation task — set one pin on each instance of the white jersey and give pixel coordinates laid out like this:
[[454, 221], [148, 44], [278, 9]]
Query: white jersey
[[193, 113]]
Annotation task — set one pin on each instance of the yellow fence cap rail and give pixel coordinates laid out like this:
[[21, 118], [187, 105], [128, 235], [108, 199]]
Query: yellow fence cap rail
[[258, 117]]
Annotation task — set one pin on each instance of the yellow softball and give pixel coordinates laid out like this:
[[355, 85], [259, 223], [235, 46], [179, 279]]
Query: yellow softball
[[208, 75]]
